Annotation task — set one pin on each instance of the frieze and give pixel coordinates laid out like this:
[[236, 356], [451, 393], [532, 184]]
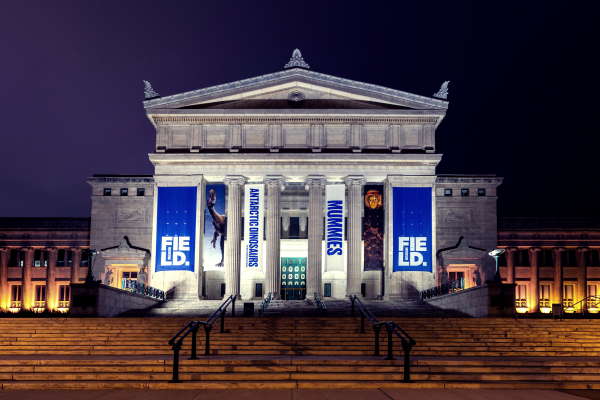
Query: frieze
[[44, 223], [510, 223], [289, 74], [161, 120]]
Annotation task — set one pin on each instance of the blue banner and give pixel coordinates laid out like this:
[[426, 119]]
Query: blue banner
[[176, 229], [412, 230]]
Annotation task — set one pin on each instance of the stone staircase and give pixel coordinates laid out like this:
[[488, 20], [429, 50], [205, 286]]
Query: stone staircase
[[195, 309], [289, 352]]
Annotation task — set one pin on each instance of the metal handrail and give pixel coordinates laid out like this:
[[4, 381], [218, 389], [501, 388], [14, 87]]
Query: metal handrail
[[192, 327], [142, 289], [586, 299], [265, 303], [320, 303], [444, 288], [392, 328]]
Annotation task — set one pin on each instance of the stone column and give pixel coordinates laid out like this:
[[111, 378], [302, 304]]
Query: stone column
[[274, 186], [510, 264], [557, 296], [4, 288], [234, 235], [581, 278], [355, 185], [27, 291], [534, 280], [75, 263], [51, 278], [314, 272]]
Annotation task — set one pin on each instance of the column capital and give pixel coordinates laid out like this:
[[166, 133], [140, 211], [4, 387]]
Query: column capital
[[352, 180], [557, 249], [583, 248], [50, 248], [26, 248], [74, 248], [231, 180], [315, 180], [274, 180], [534, 249], [512, 249]]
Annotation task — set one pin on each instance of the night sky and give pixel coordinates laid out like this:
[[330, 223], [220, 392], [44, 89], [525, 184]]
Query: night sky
[[524, 85]]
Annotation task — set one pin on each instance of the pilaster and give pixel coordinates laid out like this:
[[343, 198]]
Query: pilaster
[[315, 185], [557, 296], [355, 185], [51, 297], [581, 278], [27, 291], [534, 285], [233, 244], [510, 264], [4, 289]]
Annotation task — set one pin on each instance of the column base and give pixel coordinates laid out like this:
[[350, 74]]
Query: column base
[[359, 295], [274, 296], [235, 296]]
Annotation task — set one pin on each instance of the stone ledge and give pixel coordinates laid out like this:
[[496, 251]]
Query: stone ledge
[[487, 300]]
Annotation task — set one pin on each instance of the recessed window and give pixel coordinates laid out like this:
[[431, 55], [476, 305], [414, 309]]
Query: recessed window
[[107, 192], [141, 192], [464, 192], [480, 192], [124, 192], [447, 192]]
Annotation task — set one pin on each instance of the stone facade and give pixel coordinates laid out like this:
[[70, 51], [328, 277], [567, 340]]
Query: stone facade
[[552, 261]]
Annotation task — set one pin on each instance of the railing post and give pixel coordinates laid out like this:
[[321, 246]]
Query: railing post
[[194, 332], [362, 321], [406, 346], [233, 307], [223, 321], [377, 329], [207, 329], [352, 300], [390, 344], [176, 348]]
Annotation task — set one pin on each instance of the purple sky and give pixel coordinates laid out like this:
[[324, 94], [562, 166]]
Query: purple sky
[[524, 90]]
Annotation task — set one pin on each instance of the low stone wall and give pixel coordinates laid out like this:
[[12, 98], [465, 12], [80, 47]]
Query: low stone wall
[[487, 300], [99, 300]]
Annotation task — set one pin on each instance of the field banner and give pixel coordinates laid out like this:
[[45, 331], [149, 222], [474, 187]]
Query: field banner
[[214, 228], [335, 197], [412, 229], [373, 229], [254, 226], [176, 229]]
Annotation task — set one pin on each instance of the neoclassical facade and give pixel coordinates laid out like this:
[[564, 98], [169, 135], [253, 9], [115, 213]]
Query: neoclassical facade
[[292, 183]]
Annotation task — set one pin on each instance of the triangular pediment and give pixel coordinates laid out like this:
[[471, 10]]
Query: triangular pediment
[[277, 90]]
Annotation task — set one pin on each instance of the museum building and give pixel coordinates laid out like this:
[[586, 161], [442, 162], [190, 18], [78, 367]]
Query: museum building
[[290, 184]]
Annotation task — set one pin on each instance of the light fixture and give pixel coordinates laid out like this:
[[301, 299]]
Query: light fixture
[[496, 254]]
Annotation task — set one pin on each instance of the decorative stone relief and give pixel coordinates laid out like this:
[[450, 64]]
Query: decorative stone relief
[[130, 214], [443, 92], [149, 92], [456, 214]]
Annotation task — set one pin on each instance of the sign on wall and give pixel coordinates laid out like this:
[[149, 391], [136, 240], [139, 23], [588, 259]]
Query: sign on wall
[[373, 227], [214, 228], [412, 229], [335, 197], [254, 222], [176, 229]]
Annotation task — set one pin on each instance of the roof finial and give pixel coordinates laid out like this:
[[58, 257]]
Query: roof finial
[[296, 61], [149, 92], [443, 93]]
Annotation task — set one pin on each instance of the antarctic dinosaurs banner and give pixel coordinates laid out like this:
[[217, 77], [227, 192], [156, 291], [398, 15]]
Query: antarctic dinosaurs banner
[[254, 221]]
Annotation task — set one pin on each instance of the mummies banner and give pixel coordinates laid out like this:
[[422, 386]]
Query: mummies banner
[[176, 229], [335, 196], [412, 229], [254, 221]]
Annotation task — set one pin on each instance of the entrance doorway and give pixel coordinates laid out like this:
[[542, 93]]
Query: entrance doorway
[[293, 278]]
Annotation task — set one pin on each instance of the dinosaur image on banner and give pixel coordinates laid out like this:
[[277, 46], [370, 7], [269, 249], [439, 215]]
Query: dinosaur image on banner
[[373, 227], [214, 228]]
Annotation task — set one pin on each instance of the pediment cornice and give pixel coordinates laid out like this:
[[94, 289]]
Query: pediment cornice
[[302, 75]]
